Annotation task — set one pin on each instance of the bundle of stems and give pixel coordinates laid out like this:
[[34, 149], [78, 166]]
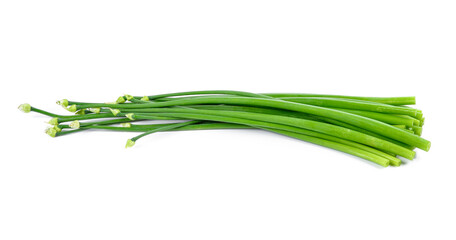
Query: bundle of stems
[[379, 129]]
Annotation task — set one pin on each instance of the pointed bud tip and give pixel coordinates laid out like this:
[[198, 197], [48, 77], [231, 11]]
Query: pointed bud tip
[[72, 108], [114, 111], [54, 121], [51, 131], [95, 110], [120, 99], [130, 143], [25, 107], [63, 102], [75, 124], [128, 97], [130, 116], [80, 112]]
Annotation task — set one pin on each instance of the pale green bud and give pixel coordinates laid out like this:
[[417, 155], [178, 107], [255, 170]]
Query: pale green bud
[[120, 99], [51, 131], [63, 103], [72, 108], [114, 111], [54, 121], [128, 97], [56, 128], [80, 112], [130, 116], [130, 143], [75, 124], [95, 110], [25, 107]]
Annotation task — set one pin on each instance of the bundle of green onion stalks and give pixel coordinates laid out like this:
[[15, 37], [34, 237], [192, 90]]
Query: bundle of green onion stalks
[[378, 129]]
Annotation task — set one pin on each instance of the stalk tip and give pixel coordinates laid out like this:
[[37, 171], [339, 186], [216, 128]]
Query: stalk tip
[[126, 125], [130, 143], [114, 111], [75, 124], [120, 99], [128, 97], [145, 98], [80, 112], [130, 116], [95, 110], [25, 107], [57, 128], [72, 108], [51, 131], [63, 102], [54, 121]]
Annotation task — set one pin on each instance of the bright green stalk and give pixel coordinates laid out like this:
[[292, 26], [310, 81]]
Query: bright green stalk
[[385, 100], [349, 104], [235, 93], [386, 118], [345, 125], [297, 115], [337, 146], [416, 122], [273, 121], [107, 122], [132, 141], [417, 130], [148, 127], [204, 126], [69, 118], [256, 110], [359, 121]]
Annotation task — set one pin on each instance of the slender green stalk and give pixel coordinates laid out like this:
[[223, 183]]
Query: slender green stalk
[[132, 140], [385, 100], [338, 146], [297, 115], [37, 110], [418, 130], [106, 122], [148, 127], [363, 122], [349, 104], [69, 118], [416, 121], [386, 118], [349, 126], [204, 126], [272, 121], [235, 93]]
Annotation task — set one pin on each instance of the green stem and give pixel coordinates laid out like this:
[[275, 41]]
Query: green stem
[[164, 128], [363, 122], [386, 118], [272, 121], [204, 126], [338, 146], [350, 104], [385, 100], [235, 93], [37, 110]]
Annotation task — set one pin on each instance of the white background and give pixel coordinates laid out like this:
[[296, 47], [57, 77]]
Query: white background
[[226, 184]]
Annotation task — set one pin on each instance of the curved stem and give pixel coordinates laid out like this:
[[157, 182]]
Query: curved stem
[[386, 100], [359, 121], [271, 121]]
